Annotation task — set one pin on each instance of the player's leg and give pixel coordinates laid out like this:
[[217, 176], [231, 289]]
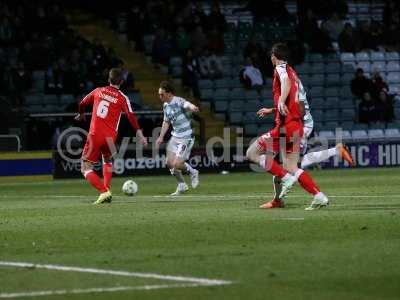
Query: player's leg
[[261, 152], [107, 172], [320, 156], [107, 153], [182, 155], [306, 182], [171, 157], [90, 156]]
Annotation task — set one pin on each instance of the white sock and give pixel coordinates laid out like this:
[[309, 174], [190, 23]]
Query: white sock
[[262, 161], [317, 157], [189, 168], [298, 173], [178, 175], [276, 182]]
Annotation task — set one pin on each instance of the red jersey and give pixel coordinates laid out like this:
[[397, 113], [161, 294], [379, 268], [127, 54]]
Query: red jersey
[[292, 102], [108, 104]]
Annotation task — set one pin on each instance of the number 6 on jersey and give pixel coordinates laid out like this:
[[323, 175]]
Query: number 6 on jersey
[[102, 109]]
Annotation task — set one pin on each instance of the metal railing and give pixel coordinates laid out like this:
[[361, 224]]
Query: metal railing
[[11, 136]]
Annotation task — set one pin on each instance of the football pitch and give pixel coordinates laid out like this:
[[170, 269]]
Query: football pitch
[[211, 243]]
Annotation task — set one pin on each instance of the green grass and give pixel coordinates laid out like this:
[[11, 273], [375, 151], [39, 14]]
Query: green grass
[[349, 251]]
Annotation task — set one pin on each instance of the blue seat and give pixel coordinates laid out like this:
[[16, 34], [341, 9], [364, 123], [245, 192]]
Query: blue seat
[[317, 68], [377, 56], [318, 115], [237, 93], [251, 129], [333, 67], [175, 61], [205, 84], [207, 94], [393, 77], [316, 80], [303, 69], [252, 106], [316, 92], [393, 66], [332, 80], [331, 103], [236, 117], [378, 66], [348, 115], [252, 95], [317, 103], [221, 94], [331, 92], [236, 105], [347, 57], [221, 106], [362, 56], [221, 83], [331, 115], [392, 56]]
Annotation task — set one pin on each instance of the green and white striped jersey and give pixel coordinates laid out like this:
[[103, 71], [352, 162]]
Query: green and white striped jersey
[[307, 119], [179, 117]]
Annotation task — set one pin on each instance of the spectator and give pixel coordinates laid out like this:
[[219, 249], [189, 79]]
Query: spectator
[[161, 47], [360, 84], [348, 40], [367, 109], [22, 83], [129, 81], [384, 107], [333, 26], [216, 42], [378, 84], [215, 19], [251, 76], [182, 40], [54, 78], [191, 73], [308, 27], [210, 65], [199, 40]]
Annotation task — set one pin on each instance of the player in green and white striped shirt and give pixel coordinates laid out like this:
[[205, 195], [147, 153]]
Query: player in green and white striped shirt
[[177, 113]]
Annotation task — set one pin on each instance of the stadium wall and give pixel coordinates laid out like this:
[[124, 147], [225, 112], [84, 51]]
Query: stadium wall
[[366, 155], [26, 164]]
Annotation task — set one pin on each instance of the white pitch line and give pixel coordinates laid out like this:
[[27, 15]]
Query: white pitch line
[[117, 273], [188, 196], [97, 290]]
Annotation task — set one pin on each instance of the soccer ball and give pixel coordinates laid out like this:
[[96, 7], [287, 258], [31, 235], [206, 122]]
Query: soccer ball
[[129, 188]]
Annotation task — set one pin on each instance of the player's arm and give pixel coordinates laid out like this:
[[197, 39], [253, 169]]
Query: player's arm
[[285, 90], [190, 107], [302, 108], [88, 100], [265, 111], [164, 129], [134, 122]]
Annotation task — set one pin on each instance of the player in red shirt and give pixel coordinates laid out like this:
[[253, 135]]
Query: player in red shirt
[[108, 105], [287, 132]]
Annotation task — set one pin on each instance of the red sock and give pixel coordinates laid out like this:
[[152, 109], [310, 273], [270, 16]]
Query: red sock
[[308, 183], [274, 168], [95, 181], [107, 174]]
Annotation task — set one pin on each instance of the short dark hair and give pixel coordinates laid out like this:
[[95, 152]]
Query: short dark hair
[[115, 76], [280, 51], [167, 87]]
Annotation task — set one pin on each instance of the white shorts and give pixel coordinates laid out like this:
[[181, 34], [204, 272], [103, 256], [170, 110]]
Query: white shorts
[[303, 143], [180, 147]]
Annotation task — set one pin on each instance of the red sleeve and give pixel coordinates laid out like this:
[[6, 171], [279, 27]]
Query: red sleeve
[[88, 100], [126, 107]]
